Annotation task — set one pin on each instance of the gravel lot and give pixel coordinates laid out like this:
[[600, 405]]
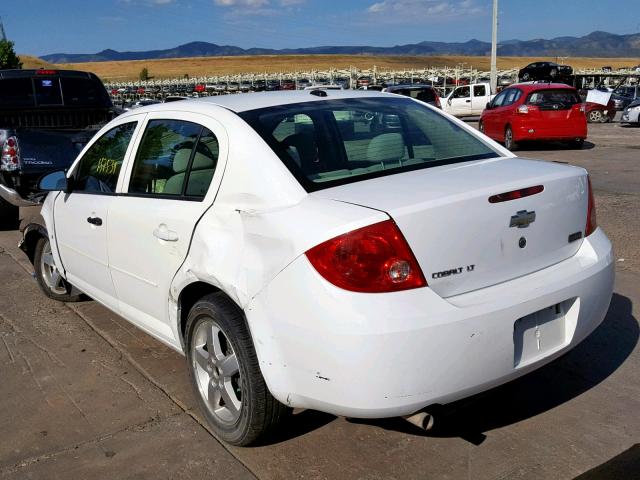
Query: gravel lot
[[83, 394]]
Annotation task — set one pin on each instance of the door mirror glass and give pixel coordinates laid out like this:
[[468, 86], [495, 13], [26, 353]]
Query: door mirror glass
[[53, 181]]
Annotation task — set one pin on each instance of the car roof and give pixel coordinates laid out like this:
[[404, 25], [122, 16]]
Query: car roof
[[534, 86], [253, 101], [413, 86]]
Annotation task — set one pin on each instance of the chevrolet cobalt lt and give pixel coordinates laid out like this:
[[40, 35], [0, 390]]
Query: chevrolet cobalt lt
[[357, 253]]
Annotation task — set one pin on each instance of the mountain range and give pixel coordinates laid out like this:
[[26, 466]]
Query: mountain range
[[596, 44]]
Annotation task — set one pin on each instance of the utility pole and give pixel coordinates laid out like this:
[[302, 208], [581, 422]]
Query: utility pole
[[3, 36], [494, 49]]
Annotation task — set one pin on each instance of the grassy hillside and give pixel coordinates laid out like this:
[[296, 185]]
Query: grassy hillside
[[34, 62], [201, 66]]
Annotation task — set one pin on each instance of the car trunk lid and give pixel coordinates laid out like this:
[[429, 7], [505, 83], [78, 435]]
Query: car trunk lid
[[461, 240]]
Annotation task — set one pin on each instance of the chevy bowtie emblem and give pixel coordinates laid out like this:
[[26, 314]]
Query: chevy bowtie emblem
[[522, 219]]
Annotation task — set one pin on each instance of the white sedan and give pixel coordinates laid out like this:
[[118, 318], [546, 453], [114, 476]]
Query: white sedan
[[352, 252]]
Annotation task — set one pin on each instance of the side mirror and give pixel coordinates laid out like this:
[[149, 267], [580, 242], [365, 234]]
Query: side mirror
[[488, 107], [54, 181]]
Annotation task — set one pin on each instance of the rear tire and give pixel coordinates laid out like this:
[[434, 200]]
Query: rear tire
[[49, 279], [225, 373], [481, 127], [577, 144], [509, 143], [595, 116]]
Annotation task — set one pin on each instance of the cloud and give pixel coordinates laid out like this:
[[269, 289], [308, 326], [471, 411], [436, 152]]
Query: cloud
[[420, 10], [258, 7]]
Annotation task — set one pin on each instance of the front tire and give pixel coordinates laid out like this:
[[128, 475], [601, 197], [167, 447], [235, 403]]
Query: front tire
[[225, 374], [509, 143], [49, 279]]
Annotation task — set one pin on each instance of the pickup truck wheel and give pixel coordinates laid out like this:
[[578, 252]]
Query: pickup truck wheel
[[225, 374], [9, 215], [509, 144], [48, 276]]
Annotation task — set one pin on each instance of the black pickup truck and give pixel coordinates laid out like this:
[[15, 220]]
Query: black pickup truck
[[46, 118]]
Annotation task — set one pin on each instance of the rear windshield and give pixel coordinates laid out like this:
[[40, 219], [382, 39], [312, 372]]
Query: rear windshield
[[47, 91], [554, 99], [422, 94], [333, 142]]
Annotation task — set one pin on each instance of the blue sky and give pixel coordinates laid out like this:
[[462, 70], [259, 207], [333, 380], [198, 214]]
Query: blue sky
[[87, 26]]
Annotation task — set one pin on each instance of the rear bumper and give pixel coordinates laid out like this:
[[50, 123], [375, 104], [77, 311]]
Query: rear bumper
[[566, 132], [368, 355]]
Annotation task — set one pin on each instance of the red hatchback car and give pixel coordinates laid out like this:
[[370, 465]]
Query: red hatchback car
[[535, 111]]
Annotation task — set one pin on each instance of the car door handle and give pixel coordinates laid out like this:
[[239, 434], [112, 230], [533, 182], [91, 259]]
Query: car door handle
[[468, 101], [95, 221], [163, 233]]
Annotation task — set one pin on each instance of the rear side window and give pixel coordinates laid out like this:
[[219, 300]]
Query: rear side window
[[341, 141], [512, 96], [553, 99], [83, 92], [479, 91], [16, 92], [100, 166], [175, 159]]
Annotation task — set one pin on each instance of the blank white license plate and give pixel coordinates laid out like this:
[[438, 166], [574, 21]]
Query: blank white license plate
[[539, 334]]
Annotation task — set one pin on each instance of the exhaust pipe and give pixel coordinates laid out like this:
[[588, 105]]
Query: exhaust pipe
[[421, 420]]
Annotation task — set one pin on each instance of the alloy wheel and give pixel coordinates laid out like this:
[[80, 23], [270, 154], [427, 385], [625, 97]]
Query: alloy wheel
[[595, 116], [50, 273], [217, 372]]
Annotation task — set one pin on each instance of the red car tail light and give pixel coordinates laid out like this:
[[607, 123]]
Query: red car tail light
[[438, 104], [525, 109], [372, 259], [10, 157], [592, 223]]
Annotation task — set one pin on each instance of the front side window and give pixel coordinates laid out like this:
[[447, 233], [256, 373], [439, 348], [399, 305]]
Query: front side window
[[462, 92], [341, 141], [175, 159], [100, 166], [498, 101]]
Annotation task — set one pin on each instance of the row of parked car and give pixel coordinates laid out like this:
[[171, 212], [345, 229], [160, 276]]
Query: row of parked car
[[45, 108]]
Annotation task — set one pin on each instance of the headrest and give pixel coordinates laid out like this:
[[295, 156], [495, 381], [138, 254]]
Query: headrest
[[385, 147], [200, 161]]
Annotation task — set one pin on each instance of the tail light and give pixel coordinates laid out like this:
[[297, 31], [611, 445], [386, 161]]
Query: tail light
[[438, 104], [592, 224], [373, 259], [10, 158], [583, 108]]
